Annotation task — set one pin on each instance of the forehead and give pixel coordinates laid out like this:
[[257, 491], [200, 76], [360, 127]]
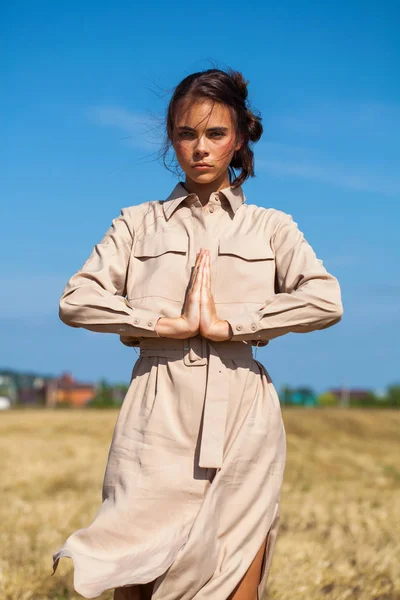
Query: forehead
[[202, 112]]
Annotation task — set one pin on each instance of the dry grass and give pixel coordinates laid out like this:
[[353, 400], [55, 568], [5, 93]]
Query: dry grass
[[340, 524]]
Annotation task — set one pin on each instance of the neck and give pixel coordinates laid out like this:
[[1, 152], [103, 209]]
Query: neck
[[204, 190]]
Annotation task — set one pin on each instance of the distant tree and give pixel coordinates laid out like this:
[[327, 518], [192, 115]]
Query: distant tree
[[369, 399], [119, 392], [285, 394], [327, 399], [304, 396], [104, 397], [393, 395]]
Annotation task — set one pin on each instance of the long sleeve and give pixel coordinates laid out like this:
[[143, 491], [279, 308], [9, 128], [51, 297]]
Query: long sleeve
[[94, 297], [308, 297]]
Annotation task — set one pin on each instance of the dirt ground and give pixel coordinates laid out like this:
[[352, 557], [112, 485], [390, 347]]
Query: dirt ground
[[340, 504]]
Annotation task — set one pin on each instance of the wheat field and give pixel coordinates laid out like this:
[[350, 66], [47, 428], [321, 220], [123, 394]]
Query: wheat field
[[340, 504]]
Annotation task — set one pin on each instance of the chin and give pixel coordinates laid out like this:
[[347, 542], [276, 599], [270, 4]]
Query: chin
[[202, 177]]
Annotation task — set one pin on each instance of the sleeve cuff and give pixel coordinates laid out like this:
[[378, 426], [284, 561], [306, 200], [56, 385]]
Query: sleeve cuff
[[142, 323], [246, 326], [145, 319]]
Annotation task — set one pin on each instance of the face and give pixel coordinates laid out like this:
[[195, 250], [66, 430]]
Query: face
[[204, 132]]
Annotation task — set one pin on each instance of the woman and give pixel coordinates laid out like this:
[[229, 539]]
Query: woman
[[191, 491]]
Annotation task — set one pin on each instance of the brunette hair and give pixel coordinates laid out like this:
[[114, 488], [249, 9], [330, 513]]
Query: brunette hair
[[226, 87]]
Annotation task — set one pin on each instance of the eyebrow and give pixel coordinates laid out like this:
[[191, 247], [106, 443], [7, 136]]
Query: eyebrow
[[220, 128]]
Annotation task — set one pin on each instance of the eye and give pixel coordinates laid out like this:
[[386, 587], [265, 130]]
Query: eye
[[185, 133], [217, 133]]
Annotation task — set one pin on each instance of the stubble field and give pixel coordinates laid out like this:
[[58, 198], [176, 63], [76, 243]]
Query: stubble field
[[339, 537]]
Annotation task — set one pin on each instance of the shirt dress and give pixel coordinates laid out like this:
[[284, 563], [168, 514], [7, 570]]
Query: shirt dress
[[196, 462]]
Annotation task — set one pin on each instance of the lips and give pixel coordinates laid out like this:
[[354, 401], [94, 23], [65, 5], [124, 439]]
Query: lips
[[201, 165]]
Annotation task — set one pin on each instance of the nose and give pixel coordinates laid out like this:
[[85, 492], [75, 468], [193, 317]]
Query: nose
[[201, 147]]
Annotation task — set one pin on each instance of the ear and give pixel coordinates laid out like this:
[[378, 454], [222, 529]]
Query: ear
[[239, 144]]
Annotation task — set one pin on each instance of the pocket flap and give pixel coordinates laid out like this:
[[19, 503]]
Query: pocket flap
[[161, 243], [247, 248]]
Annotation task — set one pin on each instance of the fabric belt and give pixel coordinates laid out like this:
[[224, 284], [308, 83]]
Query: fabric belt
[[199, 351]]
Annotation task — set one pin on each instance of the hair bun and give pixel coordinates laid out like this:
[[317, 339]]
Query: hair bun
[[240, 83], [254, 126]]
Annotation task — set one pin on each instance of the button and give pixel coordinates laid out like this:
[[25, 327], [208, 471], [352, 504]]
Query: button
[[211, 209], [136, 320], [150, 323], [253, 326], [239, 327]]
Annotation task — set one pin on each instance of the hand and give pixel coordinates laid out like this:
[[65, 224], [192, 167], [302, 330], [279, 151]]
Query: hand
[[211, 326], [191, 306], [187, 325], [199, 313]]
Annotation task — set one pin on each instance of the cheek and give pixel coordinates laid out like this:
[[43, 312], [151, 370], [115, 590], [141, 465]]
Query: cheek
[[182, 150], [224, 151]]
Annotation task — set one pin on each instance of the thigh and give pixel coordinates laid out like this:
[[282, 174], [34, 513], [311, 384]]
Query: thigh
[[147, 590], [247, 586], [131, 592], [134, 592]]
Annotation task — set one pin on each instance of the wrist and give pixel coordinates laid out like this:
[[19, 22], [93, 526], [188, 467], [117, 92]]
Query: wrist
[[221, 331], [230, 331], [165, 327], [173, 327]]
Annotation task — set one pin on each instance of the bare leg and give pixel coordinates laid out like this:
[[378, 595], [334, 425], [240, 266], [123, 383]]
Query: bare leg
[[131, 592], [247, 586], [147, 590], [245, 590], [134, 592]]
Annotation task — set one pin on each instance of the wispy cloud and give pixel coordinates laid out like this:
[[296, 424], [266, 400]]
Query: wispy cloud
[[385, 288], [346, 260], [365, 136], [141, 130], [317, 128], [332, 174], [335, 118]]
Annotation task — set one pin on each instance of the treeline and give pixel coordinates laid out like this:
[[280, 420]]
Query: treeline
[[111, 396], [344, 397]]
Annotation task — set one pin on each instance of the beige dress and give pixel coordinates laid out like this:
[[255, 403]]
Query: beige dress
[[196, 462]]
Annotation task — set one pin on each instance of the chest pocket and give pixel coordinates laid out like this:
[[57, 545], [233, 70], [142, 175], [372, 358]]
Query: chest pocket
[[159, 266], [245, 270]]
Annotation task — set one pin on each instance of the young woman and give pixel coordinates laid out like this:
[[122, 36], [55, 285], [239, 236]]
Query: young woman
[[192, 486]]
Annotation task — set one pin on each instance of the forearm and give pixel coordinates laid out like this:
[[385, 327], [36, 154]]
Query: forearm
[[89, 309], [313, 307]]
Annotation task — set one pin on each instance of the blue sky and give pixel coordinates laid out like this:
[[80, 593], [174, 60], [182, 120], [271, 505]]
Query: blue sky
[[84, 90]]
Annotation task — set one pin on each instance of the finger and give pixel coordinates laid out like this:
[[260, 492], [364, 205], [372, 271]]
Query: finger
[[193, 278], [199, 280], [199, 274], [195, 270], [208, 273]]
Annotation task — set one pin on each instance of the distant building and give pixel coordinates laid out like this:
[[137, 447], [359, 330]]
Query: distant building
[[348, 396], [23, 388], [8, 388], [5, 403], [65, 389], [301, 396], [31, 389]]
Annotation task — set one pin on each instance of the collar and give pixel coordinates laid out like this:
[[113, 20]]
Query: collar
[[235, 197]]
